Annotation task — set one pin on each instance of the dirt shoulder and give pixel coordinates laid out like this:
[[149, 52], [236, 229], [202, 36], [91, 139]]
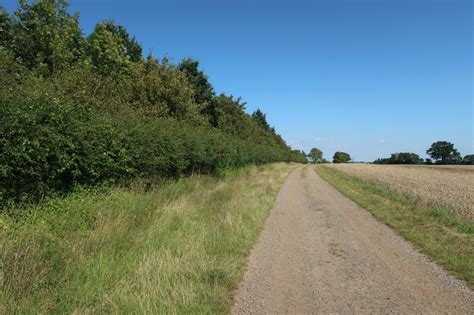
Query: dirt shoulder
[[321, 253]]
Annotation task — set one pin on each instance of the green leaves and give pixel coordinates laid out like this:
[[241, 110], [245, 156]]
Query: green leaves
[[341, 157], [84, 111], [45, 37], [107, 51], [443, 152], [401, 158], [315, 155]]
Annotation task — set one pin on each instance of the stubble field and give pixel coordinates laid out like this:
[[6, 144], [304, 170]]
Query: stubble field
[[450, 187]]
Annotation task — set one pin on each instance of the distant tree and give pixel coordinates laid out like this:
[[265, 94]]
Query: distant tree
[[261, 119], [468, 159], [428, 161], [315, 155], [443, 152], [401, 158], [381, 161], [46, 37], [341, 157]]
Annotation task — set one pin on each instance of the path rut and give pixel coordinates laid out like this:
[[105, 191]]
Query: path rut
[[321, 253]]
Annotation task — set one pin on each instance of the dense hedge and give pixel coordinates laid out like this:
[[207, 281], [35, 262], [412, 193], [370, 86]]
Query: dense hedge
[[78, 110], [51, 145]]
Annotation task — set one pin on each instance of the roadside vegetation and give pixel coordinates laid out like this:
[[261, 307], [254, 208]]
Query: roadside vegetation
[[446, 238], [80, 110], [127, 184], [177, 247]]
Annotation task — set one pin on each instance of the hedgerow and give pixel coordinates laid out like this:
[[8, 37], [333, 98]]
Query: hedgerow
[[78, 110]]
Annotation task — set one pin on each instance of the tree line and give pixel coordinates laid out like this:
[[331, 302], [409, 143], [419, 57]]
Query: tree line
[[316, 156], [440, 152], [85, 110]]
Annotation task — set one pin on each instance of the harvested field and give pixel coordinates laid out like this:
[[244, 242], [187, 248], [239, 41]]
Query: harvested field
[[450, 187]]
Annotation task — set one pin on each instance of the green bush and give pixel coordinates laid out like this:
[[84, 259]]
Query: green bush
[[50, 144], [78, 111]]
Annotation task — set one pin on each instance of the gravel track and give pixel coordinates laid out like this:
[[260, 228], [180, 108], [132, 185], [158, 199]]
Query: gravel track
[[321, 253]]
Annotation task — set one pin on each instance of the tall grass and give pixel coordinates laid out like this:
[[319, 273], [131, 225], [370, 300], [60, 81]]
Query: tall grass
[[177, 247]]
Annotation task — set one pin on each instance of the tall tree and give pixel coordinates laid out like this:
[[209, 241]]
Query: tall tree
[[132, 49], [6, 28], [341, 157], [46, 36], [260, 119], [107, 50], [443, 152], [204, 92], [315, 155]]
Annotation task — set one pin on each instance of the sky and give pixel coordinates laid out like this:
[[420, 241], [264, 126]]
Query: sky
[[365, 77]]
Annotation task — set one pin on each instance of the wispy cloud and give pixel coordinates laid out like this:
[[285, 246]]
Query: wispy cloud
[[319, 139], [381, 140]]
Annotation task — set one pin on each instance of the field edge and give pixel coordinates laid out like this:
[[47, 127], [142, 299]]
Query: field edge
[[446, 239], [177, 248]]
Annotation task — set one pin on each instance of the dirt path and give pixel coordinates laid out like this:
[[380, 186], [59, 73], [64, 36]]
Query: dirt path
[[321, 253]]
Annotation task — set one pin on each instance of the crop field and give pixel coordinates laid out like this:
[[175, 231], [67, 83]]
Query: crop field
[[450, 187]]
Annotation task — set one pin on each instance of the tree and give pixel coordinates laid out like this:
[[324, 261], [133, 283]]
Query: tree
[[260, 119], [228, 115], [401, 158], [443, 152], [204, 92], [6, 28], [132, 49], [160, 90], [315, 155], [468, 159], [46, 37], [107, 50], [341, 157]]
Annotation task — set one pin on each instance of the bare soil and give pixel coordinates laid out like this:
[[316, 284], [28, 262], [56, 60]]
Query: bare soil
[[321, 253]]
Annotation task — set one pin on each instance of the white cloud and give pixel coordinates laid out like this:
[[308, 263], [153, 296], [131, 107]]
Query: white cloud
[[381, 141], [318, 139]]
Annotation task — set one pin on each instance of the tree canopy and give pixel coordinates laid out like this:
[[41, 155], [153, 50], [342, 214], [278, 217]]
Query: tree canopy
[[260, 119], [315, 155], [45, 36], [78, 110], [468, 159], [204, 92], [401, 158], [443, 152], [341, 157]]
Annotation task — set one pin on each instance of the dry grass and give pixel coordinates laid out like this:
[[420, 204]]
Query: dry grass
[[450, 187], [177, 248]]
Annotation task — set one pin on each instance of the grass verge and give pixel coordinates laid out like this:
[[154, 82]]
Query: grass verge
[[176, 248], [436, 232]]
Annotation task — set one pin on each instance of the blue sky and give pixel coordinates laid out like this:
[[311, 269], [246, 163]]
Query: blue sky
[[363, 76]]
